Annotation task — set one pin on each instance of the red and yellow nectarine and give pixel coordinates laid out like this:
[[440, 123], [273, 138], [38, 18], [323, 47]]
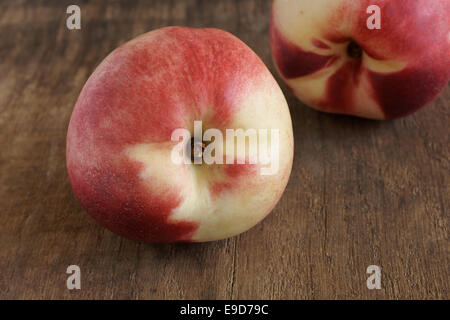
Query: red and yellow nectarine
[[333, 62], [119, 139]]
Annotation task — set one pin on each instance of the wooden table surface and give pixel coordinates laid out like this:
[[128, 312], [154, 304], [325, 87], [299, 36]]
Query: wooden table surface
[[361, 192]]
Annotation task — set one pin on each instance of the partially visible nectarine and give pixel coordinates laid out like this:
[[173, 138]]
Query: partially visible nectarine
[[333, 62]]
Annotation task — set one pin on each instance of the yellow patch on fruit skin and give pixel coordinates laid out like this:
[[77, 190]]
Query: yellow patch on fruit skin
[[383, 66], [159, 173]]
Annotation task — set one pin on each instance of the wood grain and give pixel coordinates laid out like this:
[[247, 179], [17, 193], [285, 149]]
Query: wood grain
[[361, 192]]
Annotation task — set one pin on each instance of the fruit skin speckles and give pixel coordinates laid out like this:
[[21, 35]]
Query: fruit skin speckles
[[403, 67]]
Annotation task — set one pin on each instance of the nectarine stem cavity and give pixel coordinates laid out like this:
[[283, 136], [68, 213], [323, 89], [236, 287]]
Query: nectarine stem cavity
[[354, 50], [196, 149]]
